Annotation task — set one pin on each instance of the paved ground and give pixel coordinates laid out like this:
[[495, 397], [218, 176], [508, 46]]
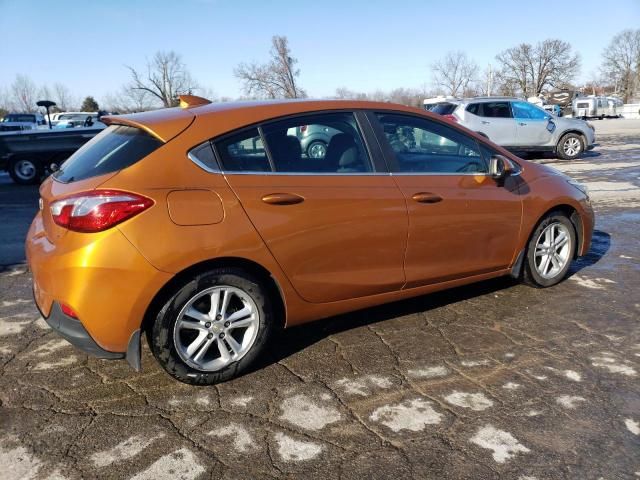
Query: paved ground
[[495, 380]]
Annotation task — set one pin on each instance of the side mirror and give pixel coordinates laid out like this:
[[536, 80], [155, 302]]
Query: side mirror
[[500, 167]]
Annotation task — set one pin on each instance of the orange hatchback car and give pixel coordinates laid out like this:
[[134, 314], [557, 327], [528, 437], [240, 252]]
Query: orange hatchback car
[[207, 226]]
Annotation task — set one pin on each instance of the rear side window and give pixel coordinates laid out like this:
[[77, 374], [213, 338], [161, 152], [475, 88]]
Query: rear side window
[[243, 152], [474, 108], [443, 108], [113, 149], [494, 110], [324, 143]]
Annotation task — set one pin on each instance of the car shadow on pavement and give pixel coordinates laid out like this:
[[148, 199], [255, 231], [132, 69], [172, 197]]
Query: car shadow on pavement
[[600, 244], [295, 339]]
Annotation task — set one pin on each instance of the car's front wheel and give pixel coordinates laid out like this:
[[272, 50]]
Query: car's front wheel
[[550, 251], [570, 146], [213, 327]]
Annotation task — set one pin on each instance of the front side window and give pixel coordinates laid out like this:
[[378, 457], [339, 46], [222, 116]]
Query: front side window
[[322, 143], [243, 152], [525, 110], [425, 146]]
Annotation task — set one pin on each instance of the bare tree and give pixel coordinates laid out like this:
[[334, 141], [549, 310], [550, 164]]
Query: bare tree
[[548, 64], [129, 100], [622, 61], [24, 93], [166, 77], [343, 93], [275, 79], [63, 98], [454, 73]]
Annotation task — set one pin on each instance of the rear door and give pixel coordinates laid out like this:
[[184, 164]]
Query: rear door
[[336, 224], [493, 119], [461, 221], [534, 125]]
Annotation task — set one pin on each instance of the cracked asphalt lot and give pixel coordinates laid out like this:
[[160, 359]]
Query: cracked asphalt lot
[[494, 380]]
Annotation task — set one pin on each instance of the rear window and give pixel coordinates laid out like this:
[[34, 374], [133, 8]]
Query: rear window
[[19, 118], [113, 149], [443, 108]]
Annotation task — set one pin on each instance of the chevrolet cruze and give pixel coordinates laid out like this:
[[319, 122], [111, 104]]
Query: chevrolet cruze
[[207, 227]]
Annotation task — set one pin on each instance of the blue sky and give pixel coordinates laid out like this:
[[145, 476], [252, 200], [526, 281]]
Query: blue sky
[[362, 45]]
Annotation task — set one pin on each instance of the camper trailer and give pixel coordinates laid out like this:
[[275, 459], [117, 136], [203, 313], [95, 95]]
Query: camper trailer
[[593, 107]]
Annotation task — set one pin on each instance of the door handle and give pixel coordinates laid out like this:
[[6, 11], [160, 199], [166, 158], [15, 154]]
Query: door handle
[[426, 197], [484, 122], [521, 124], [282, 199]]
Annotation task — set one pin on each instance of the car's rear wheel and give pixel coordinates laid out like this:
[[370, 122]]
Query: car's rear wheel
[[570, 146], [213, 327], [550, 251], [25, 171]]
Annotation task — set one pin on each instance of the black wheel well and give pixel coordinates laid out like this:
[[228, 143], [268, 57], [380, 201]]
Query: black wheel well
[[577, 132], [573, 215], [180, 278]]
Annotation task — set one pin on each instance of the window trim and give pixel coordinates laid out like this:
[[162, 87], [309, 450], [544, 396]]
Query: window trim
[[376, 159], [391, 158], [192, 156]]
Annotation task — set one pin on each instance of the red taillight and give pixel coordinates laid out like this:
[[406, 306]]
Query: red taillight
[[97, 210], [68, 311], [451, 117]]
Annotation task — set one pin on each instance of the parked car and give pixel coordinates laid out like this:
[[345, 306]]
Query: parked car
[[13, 122], [206, 228], [520, 126], [314, 139], [76, 119]]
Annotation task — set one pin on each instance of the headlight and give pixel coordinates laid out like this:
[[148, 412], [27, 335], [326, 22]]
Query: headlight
[[580, 186]]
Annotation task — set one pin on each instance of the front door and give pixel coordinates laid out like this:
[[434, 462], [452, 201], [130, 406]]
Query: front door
[[534, 125], [461, 222], [336, 226]]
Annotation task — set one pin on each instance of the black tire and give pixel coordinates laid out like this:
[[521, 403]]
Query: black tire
[[160, 334], [316, 145], [25, 170], [564, 150], [531, 276]]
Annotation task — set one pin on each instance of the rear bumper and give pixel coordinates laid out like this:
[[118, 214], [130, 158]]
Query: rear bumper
[[102, 277], [73, 332]]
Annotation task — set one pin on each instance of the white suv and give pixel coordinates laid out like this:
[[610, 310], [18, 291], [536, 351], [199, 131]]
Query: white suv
[[521, 126]]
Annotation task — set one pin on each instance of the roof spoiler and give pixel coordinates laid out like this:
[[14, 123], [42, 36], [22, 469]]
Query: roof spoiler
[[187, 101]]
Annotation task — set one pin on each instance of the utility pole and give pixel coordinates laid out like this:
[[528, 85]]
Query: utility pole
[[489, 81]]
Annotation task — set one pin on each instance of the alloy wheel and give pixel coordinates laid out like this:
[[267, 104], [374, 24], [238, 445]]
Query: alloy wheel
[[317, 150], [216, 327], [552, 251], [572, 146]]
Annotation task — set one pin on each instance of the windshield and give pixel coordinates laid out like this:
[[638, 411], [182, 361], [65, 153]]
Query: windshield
[[113, 149], [19, 118]]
